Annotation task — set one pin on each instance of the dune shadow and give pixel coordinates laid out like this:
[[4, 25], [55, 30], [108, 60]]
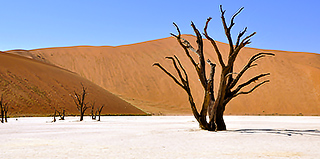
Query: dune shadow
[[287, 132]]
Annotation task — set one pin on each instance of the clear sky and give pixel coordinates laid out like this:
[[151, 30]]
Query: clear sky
[[280, 24]]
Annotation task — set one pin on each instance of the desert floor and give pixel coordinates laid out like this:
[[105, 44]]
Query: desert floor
[[160, 137]]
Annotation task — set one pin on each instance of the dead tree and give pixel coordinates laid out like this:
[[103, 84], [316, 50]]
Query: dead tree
[[54, 115], [99, 111], [213, 105], [6, 107], [4, 110], [79, 100], [93, 116], [61, 115]]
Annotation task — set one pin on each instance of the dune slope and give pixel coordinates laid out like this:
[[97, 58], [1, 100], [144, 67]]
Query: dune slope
[[127, 72], [35, 88]]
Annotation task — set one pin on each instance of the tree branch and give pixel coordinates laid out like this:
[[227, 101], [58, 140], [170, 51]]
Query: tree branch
[[247, 66], [199, 41], [202, 71], [243, 43], [188, 55], [184, 71], [169, 74], [76, 100], [177, 69], [240, 35], [212, 71], [178, 37], [249, 82], [234, 15], [213, 43], [227, 30], [255, 87], [187, 44]]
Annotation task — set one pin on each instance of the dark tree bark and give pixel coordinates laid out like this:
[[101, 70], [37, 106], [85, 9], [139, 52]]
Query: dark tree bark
[[4, 110], [6, 107], [93, 116], [99, 111], [61, 115], [79, 100], [54, 115], [2, 113], [213, 106]]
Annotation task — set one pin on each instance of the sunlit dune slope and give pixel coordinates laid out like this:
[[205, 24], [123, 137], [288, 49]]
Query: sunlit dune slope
[[34, 88], [127, 71]]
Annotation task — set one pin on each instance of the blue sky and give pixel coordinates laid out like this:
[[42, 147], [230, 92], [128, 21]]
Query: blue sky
[[30, 24]]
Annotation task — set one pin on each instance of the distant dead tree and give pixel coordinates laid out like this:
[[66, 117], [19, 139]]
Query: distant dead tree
[[228, 87], [54, 115], [62, 115], [99, 111], [4, 110], [79, 100], [93, 116]]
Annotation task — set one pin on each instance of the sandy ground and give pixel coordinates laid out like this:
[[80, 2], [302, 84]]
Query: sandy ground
[[160, 137]]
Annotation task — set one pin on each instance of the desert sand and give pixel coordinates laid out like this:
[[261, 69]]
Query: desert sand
[[161, 137], [127, 72], [34, 88]]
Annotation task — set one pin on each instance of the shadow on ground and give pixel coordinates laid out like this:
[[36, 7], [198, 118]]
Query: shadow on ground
[[279, 131]]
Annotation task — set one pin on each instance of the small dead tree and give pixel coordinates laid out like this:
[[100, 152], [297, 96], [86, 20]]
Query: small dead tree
[[54, 115], [79, 100], [99, 111], [228, 87], [4, 110], [93, 116], [61, 115]]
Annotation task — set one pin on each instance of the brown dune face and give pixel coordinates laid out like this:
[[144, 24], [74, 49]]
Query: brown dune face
[[127, 72], [33, 88]]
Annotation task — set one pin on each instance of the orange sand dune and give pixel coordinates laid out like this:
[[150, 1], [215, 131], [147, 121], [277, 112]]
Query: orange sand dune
[[36, 88], [127, 72]]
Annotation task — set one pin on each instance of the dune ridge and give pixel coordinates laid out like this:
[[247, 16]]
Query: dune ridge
[[127, 72], [34, 88]]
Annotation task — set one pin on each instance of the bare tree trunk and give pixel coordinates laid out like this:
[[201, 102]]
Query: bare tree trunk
[[81, 114], [2, 114], [4, 110], [99, 116], [6, 113], [1, 107], [99, 110], [54, 115], [93, 117]]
